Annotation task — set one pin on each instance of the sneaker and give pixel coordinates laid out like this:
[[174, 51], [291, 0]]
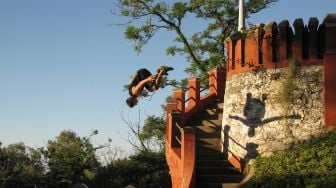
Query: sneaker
[[165, 69]]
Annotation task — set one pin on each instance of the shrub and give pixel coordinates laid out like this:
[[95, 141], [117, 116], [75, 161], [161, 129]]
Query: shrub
[[310, 164]]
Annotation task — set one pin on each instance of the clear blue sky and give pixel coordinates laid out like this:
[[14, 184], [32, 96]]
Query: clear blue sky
[[63, 65]]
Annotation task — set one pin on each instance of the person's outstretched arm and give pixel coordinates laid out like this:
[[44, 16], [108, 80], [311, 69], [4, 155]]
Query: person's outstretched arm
[[136, 90], [158, 78]]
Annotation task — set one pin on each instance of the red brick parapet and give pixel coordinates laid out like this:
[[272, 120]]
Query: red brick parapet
[[273, 45]]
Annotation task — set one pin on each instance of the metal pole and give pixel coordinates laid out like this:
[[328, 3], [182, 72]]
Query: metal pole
[[241, 22]]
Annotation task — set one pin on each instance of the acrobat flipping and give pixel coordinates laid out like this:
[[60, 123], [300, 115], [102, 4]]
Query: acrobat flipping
[[144, 79]]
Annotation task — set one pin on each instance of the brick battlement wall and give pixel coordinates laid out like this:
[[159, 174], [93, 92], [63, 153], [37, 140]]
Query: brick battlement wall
[[280, 86], [272, 45]]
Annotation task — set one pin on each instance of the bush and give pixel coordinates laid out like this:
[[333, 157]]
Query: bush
[[144, 169], [310, 164]]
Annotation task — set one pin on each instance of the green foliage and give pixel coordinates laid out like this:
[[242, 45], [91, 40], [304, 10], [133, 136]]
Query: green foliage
[[154, 129], [20, 165], [144, 169], [310, 164], [203, 49], [71, 159], [179, 9]]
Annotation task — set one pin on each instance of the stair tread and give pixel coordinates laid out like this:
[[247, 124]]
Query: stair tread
[[218, 185], [212, 169], [232, 178], [216, 171]]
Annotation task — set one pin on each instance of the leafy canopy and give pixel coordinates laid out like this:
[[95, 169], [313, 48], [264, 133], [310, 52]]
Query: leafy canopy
[[204, 49]]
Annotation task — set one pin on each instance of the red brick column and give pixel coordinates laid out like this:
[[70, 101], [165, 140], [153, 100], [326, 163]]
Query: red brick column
[[173, 154], [229, 48], [179, 96], [330, 71], [312, 25], [268, 45], [252, 46], [217, 79], [193, 92], [298, 51], [284, 42], [188, 157], [170, 106]]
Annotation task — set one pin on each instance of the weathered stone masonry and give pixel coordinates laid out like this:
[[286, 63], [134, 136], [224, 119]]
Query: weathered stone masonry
[[259, 121]]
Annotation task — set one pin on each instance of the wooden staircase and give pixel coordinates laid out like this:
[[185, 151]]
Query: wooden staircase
[[212, 168], [193, 137]]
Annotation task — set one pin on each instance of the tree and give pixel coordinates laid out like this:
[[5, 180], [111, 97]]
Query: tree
[[71, 159], [20, 166], [147, 167], [154, 131], [143, 169], [204, 49], [148, 135]]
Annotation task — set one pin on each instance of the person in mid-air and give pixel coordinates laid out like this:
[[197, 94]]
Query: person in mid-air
[[144, 79]]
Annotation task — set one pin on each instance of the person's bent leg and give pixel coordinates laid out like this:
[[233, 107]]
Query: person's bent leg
[[165, 69]]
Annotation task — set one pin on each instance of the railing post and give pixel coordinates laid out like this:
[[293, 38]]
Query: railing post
[[179, 97], [170, 107], [176, 132], [193, 92], [217, 81], [188, 156]]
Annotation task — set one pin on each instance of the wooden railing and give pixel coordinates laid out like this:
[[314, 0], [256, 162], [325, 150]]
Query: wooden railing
[[180, 140]]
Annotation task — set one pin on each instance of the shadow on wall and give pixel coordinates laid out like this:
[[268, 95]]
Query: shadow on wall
[[251, 148], [254, 112]]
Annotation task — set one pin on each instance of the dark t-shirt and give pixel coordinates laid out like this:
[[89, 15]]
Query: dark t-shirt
[[137, 77]]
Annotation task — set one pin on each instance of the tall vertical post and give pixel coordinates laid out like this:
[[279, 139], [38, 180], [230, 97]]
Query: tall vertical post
[[178, 96], [193, 92], [329, 71], [241, 23]]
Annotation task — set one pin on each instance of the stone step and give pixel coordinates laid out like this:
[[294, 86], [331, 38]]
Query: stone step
[[216, 170], [231, 185], [208, 141], [204, 122], [218, 105], [215, 108], [203, 135], [211, 156], [207, 115], [212, 163], [208, 148], [212, 110], [234, 178], [207, 129], [218, 185], [209, 185]]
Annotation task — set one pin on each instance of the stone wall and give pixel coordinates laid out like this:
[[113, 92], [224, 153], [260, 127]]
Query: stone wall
[[266, 111]]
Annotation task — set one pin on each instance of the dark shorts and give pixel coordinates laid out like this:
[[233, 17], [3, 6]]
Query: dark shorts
[[140, 75]]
